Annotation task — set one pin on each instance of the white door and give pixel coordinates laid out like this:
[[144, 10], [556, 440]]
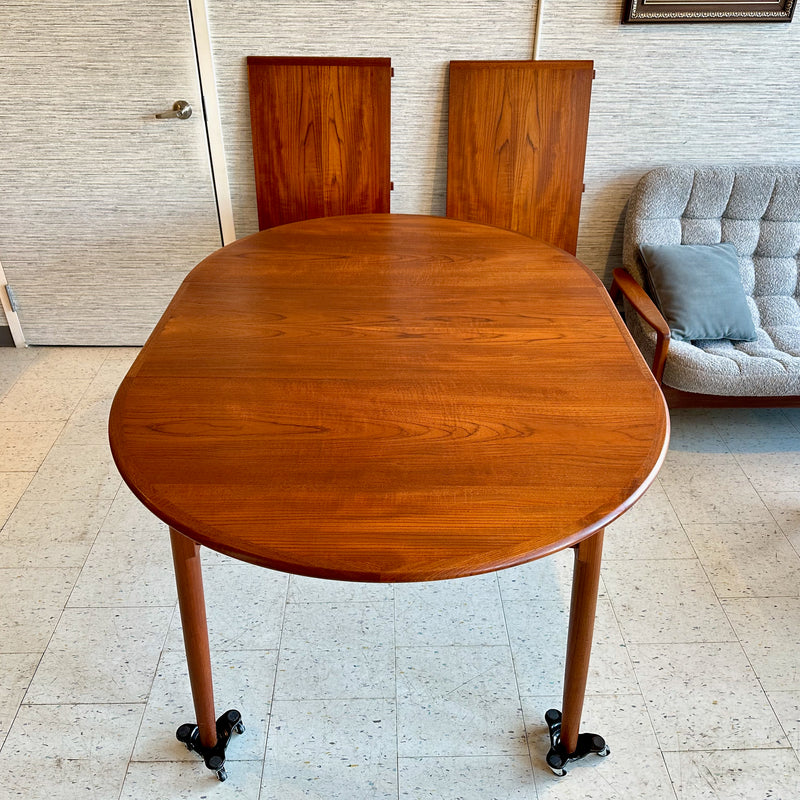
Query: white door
[[103, 207]]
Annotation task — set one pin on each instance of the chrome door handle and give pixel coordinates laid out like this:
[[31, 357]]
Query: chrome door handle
[[180, 110]]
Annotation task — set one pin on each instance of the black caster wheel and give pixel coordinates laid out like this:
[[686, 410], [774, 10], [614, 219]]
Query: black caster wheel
[[228, 724], [216, 763], [558, 757], [187, 734], [556, 764], [234, 719]]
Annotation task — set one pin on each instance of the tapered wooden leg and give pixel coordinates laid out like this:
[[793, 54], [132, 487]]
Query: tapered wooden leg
[[566, 743], [189, 579], [585, 582]]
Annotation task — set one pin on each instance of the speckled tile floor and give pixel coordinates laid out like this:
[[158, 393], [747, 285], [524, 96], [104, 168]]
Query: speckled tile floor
[[409, 691]]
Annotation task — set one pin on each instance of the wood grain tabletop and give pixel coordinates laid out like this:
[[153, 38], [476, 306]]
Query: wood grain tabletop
[[389, 398]]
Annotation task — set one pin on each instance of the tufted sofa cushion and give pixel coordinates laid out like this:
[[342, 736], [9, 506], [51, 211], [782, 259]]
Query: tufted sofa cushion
[[757, 209]]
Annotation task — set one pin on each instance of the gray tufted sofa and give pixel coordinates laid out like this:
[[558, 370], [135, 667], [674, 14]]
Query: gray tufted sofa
[[756, 208]]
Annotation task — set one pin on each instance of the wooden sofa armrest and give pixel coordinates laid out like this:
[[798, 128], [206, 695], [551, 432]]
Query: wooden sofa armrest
[[623, 282]]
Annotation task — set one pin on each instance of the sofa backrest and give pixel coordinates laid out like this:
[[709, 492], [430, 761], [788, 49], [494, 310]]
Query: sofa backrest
[[755, 207]]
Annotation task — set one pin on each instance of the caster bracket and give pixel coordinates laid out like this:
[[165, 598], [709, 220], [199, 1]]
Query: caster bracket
[[228, 724], [557, 757]]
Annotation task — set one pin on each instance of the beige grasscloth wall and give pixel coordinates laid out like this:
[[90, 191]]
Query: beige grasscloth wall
[[663, 93], [420, 38], [723, 92]]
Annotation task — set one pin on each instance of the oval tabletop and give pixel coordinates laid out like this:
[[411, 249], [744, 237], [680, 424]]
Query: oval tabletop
[[389, 398]]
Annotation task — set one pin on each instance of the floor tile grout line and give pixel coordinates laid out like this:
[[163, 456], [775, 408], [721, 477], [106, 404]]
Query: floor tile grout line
[[667, 772], [18, 472], [723, 438], [638, 643], [627, 644], [756, 676], [330, 699], [778, 525], [20, 704], [134, 740], [720, 599], [679, 750], [78, 569], [155, 674], [680, 522], [89, 553], [33, 474], [469, 756], [27, 366], [786, 733], [791, 421], [66, 600], [516, 683], [755, 489], [49, 449], [396, 694], [691, 542], [115, 607], [271, 714], [93, 704], [775, 522], [72, 410]]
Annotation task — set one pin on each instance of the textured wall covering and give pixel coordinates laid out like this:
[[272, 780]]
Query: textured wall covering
[[670, 93], [420, 38], [104, 209], [663, 93]]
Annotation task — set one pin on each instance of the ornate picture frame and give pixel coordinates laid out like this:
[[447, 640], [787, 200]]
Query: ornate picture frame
[[654, 11]]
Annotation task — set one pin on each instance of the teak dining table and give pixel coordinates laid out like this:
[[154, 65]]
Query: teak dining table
[[389, 398]]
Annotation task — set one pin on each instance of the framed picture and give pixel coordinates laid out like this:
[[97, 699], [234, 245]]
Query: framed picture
[[708, 11]]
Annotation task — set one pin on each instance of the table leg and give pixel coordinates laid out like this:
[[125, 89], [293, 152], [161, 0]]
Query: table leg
[[191, 599], [209, 736], [566, 743]]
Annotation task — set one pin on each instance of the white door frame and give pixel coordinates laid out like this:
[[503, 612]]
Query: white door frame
[[208, 86], [537, 29]]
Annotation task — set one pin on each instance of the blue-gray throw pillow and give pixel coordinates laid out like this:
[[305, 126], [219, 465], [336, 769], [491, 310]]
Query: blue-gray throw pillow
[[699, 291]]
